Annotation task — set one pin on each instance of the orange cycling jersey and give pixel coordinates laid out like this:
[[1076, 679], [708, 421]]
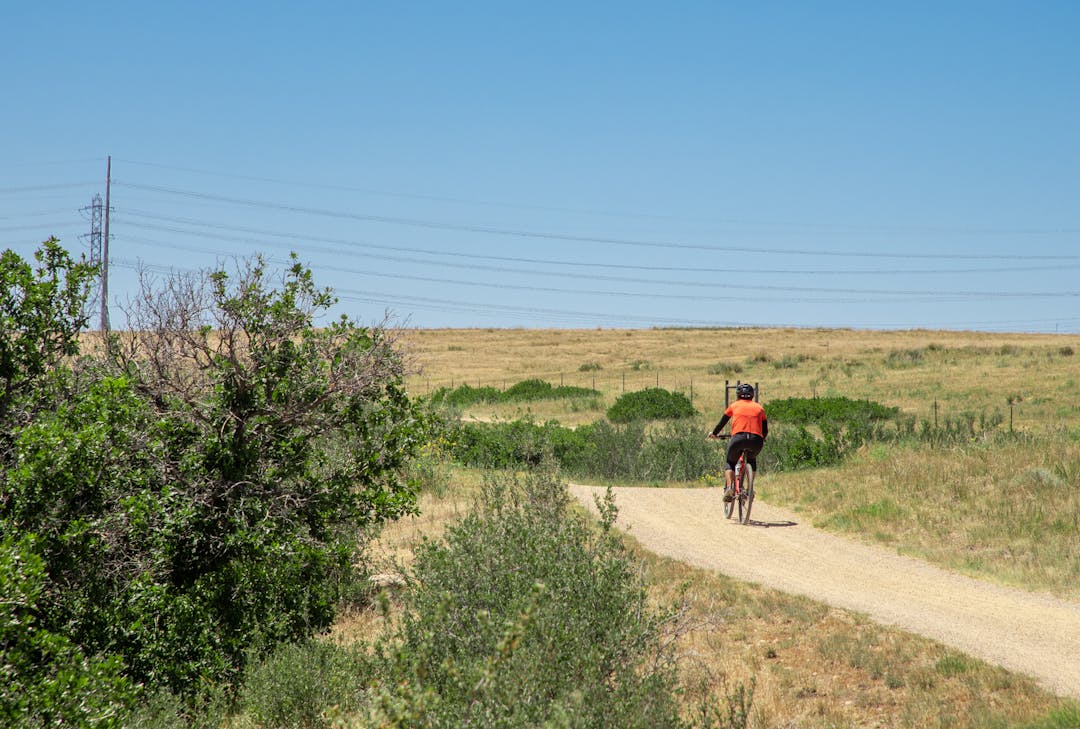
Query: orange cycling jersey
[[746, 416]]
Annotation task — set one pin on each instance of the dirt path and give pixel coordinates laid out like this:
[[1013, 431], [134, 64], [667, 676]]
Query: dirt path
[[1034, 634]]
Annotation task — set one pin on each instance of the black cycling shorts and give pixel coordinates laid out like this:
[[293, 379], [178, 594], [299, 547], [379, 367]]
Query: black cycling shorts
[[748, 443]]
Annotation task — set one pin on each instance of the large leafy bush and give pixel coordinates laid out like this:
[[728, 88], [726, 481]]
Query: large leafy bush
[[198, 493]]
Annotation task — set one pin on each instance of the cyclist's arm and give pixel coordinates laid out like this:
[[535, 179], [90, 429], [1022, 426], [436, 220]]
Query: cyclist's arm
[[764, 428], [720, 426]]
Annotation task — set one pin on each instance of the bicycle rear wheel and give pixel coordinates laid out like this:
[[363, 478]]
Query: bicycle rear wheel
[[746, 497]]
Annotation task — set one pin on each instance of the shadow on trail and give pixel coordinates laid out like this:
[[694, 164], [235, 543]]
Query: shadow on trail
[[771, 524]]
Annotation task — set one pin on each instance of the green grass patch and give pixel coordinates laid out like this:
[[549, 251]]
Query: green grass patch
[[904, 358], [954, 664], [789, 361], [866, 517], [725, 368]]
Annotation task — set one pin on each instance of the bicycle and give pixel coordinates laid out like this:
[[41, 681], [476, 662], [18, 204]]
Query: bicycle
[[742, 488]]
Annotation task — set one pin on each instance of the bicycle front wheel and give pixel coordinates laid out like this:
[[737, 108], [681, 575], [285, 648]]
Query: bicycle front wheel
[[746, 498], [729, 506]]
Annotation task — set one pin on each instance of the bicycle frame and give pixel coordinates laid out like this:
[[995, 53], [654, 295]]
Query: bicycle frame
[[742, 497], [740, 469]]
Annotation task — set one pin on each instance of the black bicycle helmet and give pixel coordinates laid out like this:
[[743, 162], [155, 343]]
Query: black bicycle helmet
[[745, 391]]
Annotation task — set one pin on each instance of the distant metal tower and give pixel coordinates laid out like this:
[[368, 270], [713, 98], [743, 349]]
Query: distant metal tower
[[95, 228], [94, 210]]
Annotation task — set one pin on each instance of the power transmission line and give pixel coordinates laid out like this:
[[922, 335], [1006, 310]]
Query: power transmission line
[[40, 188], [38, 226], [890, 295], [382, 299], [545, 314], [36, 214], [558, 262], [613, 272], [494, 230], [800, 225]]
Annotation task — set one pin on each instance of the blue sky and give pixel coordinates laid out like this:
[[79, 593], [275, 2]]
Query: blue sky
[[836, 164]]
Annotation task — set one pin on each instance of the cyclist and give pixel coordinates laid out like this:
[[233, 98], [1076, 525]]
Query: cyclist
[[749, 429]]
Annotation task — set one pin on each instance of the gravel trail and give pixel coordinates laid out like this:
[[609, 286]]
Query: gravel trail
[[1030, 633]]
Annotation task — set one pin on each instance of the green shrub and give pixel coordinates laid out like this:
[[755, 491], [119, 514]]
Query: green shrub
[[650, 404], [571, 447], [590, 367], [208, 709], [298, 683], [805, 411], [513, 444], [529, 390], [791, 450], [465, 396], [615, 451], [678, 451], [45, 679], [523, 616]]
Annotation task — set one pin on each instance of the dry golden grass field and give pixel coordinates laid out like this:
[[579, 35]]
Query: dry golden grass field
[[909, 369], [812, 665]]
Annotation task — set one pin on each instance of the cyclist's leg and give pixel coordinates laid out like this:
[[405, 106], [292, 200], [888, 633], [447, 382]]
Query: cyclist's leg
[[752, 447], [734, 451], [732, 457]]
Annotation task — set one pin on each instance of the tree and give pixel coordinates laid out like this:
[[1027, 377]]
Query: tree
[[41, 315], [203, 490]]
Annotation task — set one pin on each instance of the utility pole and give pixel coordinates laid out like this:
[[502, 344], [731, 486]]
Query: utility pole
[[105, 254]]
